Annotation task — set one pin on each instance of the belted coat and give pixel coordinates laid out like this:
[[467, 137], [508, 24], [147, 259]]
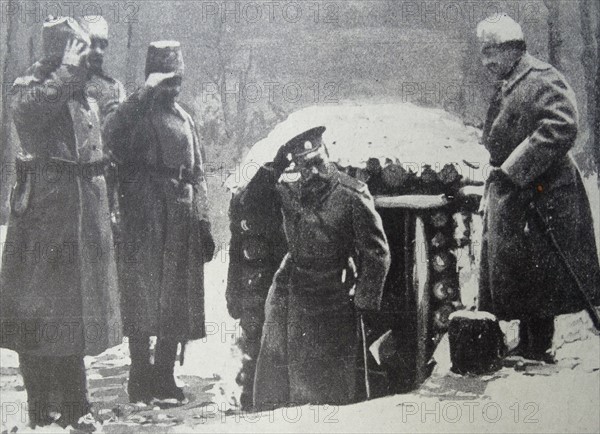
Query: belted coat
[[58, 285], [162, 255], [538, 239], [310, 339]]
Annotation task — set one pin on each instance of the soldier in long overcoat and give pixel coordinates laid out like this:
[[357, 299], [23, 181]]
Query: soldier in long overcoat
[[166, 231], [108, 93], [256, 249], [309, 340], [58, 286], [539, 255]]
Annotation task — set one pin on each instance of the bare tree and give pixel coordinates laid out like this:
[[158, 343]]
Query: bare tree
[[554, 36], [595, 126], [232, 120], [591, 72], [8, 150], [131, 60]]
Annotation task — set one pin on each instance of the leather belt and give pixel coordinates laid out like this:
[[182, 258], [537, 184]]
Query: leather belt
[[183, 174], [320, 263], [90, 169]]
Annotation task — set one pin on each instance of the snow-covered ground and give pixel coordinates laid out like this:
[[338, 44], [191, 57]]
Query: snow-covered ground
[[565, 398]]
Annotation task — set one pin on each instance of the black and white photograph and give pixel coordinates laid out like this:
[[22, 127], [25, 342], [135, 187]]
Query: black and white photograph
[[298, 216]]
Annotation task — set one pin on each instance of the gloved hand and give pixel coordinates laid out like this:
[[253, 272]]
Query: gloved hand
[[281, 162], [498, 175], [206, 238]]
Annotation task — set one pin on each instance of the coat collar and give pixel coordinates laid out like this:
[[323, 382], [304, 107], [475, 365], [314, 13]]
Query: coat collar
[[525, 64]]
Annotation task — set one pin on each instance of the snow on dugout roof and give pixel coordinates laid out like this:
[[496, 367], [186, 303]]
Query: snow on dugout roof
[[402, 132]]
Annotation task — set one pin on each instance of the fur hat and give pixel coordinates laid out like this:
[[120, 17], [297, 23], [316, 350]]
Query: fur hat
[[164, 58], [95, 26], [498, 29]]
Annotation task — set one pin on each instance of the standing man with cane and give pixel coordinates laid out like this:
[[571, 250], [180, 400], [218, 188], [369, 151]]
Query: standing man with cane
[[539, 255]]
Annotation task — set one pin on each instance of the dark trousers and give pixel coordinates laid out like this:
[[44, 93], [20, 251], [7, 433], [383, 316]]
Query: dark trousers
[[535, 336], [54, 385], [144, 378], [164, 356], [249, 344]]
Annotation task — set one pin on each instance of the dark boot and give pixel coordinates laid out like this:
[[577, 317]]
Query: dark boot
[[166, 390], [535, 339], [37, 384], [140, 386], [249, 343], [72, 383]]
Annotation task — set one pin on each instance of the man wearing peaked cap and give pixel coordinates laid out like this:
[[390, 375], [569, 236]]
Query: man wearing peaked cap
[[336, 248], [59, 199], [166, 230], [539, 254]]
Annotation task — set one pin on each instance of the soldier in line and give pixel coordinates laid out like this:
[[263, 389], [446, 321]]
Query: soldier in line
[[108, 94], [309, 342], [257, 247], [539, 254], [107, 91], [165, 224], [60, 299]]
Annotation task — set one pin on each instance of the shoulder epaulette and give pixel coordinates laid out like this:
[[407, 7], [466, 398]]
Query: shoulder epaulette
[[352, 183], [185, 115], [538, 64]]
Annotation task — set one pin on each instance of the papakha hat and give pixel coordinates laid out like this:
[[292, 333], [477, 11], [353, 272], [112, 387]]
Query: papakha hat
[[95, 26], [164, 58], [56, 32], [498, 29]]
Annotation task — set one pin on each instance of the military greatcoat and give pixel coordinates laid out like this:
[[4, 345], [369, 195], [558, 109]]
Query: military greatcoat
[[163, 200], [309, 342], [58, 287], [537, 223]]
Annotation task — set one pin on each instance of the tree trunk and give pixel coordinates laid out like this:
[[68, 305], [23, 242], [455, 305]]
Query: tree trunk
[[595, 125], [131, 62], [554, 37], [589, 61], [8, 150]]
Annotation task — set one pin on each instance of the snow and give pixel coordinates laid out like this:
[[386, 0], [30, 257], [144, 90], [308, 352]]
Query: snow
[[402, 132]]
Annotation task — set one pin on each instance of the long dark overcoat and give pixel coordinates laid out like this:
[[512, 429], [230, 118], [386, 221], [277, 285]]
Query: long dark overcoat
[[161, 266], [58, 287], [522, 273], [309, 342]]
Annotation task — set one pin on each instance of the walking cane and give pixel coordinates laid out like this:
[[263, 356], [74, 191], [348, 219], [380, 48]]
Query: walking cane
[[589, 306], [363, 333], [365, 360]]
